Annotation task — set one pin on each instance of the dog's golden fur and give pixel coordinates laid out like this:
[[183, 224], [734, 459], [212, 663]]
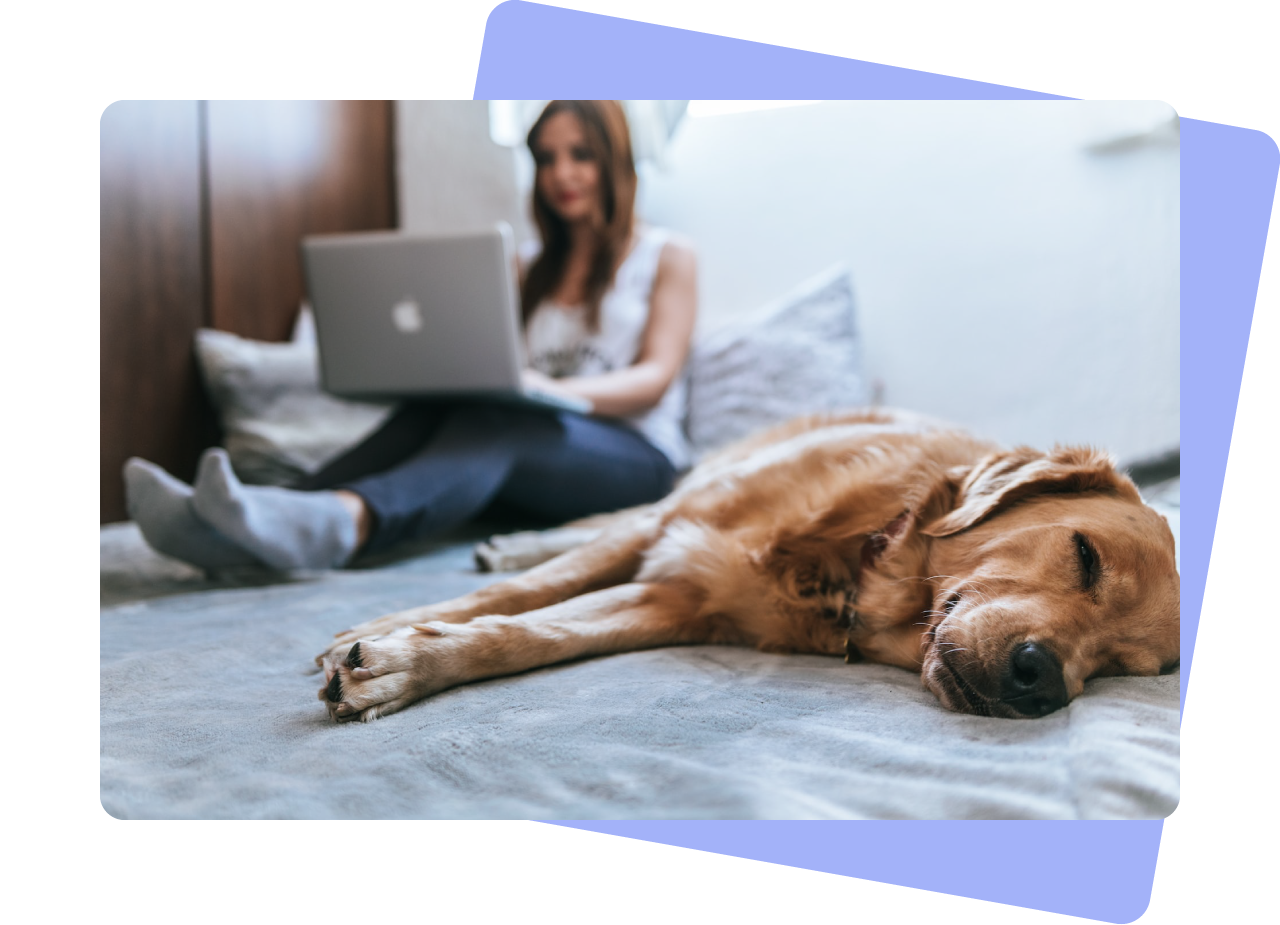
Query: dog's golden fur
[[1006, 578]]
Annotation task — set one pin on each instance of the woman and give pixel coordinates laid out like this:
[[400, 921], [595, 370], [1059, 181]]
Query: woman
[[608, 308]]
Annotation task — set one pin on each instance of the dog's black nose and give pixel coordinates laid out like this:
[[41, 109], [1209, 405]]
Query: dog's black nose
[[1033, 683]]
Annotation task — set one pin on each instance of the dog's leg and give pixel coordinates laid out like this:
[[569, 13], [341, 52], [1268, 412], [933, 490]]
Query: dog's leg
[[373, 677], [513, 552], [516, 551], [614, 558]]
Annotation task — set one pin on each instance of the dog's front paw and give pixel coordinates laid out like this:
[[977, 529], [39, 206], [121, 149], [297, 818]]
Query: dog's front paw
[[378, 675], [379, 626]]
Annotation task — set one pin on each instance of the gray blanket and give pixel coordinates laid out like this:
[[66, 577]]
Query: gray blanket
[[209, 710]]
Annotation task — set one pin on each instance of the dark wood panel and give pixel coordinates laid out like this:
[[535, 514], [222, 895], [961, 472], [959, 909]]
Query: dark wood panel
[[202, 206], [279, 170], [152, 291]]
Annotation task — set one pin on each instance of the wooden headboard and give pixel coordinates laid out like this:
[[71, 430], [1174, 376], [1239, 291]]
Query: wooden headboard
[[202, 207]]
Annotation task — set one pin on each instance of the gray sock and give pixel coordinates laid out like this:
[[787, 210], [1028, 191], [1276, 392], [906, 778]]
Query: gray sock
[[284, 528], [161, 506]]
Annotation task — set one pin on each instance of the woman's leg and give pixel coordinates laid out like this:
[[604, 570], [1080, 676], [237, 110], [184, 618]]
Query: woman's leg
[[400, 436], [284, 528], [326, 520], [162, 508], [594, 467], [552, 465], [308, 526], [232, 525]]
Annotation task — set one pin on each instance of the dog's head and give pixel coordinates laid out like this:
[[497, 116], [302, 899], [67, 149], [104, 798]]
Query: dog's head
[[1048, 570]]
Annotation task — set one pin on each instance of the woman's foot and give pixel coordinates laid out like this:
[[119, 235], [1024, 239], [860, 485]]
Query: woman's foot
[[284, 528], [161, 506]]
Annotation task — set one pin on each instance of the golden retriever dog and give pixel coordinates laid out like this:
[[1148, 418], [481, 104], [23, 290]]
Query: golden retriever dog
[[1006, 578]]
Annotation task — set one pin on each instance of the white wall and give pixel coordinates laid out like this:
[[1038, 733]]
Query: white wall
[[450, 175], [1010, 275]]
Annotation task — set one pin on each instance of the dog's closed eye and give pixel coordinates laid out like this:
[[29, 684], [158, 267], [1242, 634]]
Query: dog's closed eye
[[1087, 558]]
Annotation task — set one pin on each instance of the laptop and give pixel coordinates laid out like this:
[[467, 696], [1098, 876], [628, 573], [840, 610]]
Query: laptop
[[420, 316]]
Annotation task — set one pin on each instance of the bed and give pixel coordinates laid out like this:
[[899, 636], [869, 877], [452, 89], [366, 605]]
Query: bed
[[209, 710]]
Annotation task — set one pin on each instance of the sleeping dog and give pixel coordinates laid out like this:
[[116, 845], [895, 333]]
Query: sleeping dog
[[1006, 578]]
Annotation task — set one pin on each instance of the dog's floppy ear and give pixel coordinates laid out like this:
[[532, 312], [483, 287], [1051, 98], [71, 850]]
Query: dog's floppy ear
[[1000, 480]]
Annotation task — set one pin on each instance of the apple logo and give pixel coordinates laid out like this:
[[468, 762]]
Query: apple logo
[[406, 315]]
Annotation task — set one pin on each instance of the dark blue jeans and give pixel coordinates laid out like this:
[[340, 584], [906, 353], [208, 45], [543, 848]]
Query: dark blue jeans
[[435, 465]]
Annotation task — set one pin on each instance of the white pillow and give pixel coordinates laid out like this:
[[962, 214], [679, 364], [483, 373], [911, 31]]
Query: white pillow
[[277, 423], [797, 355]]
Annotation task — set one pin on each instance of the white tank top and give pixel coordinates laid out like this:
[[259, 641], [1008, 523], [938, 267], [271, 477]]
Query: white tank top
[[559, 342]]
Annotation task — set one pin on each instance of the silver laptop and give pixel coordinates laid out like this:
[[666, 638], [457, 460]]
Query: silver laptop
[[417, 316]]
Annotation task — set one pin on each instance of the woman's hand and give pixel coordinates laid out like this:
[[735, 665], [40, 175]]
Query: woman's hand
[[535, 381]]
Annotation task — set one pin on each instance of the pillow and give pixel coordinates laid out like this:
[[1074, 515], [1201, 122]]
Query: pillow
[[278, 424], [794, 356]]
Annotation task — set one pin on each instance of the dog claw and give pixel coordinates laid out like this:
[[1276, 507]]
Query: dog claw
[[344, 709], [361, 674], [353, 657], [334, 690]]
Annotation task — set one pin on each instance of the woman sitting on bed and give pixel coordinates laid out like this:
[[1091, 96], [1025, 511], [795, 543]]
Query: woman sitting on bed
[[608, 308]]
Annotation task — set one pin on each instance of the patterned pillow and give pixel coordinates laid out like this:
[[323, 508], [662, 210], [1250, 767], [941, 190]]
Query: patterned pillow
[[277, 423], [797, 355]]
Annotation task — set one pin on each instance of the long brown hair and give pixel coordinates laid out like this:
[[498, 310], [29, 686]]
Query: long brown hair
[[605, 126]]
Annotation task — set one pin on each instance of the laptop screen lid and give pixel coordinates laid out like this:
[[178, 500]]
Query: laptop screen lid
[[402, 315]]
